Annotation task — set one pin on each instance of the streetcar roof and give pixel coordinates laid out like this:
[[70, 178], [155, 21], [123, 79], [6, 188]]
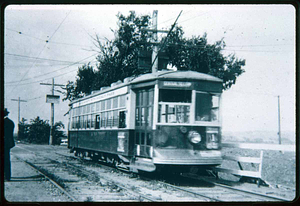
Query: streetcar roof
[[160, 75], [178, 75]]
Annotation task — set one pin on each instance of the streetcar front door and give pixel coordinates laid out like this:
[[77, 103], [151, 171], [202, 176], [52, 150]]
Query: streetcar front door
[[143, 122]]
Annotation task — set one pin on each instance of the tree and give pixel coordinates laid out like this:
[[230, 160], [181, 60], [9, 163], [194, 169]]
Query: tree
[[38, 131], [197, 55], [118, 58], [58, 134], [23, 130]]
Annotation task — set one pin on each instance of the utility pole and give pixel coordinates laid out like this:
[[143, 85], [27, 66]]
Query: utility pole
[[155, 47], [279, 130], [154, 30], [19, 101], [52, 109]]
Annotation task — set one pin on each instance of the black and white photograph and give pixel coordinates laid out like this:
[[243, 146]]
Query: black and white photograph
[[149, 103]]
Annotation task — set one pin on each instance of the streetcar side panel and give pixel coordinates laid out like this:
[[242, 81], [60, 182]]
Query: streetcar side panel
[[108, 141]]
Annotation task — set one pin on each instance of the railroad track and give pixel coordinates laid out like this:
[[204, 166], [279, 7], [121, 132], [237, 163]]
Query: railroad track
[[216, 192], [81, 185], [143, 189], [51, 180], [252, 194], [223, 193]]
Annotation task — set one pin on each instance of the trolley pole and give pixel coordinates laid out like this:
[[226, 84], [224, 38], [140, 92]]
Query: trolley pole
[[52, 110], [19, 110], [155, 48], [279, 130]]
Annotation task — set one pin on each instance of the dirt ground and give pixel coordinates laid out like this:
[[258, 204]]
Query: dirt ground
[[28, 185]]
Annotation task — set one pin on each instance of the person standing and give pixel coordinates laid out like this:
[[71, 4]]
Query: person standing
[[8, 144]]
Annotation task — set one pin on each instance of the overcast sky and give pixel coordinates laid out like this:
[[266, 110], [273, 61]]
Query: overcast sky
[[45, 42]]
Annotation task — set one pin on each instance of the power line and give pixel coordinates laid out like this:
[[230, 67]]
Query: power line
[[256, 93], [165, 40], [34, 98], [59, 26], [173, 18], [261, 45], [50, 73], [41, 51], [21, 33], [24, 56], [45, 40], [257, 51], [192, 18]]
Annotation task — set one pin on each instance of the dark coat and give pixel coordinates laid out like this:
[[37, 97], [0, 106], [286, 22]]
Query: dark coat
[[8, 133]]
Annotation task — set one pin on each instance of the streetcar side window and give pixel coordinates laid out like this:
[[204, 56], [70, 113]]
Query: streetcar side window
[[207, 107], [93, 121], [93, 107], [122, 119], [88, 108], [98, 106], [89, 121], [102, 105], [108, 104], [103, 117], [97, 125], [84, 122], [78, 122], [115, 118], [115, 102], [122, 101]]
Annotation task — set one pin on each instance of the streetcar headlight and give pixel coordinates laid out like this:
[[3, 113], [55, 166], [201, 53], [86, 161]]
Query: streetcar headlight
[[194, 137]]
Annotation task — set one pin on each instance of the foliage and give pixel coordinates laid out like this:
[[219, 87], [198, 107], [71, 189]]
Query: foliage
[[58, 133], [23, 130], [197, 55], [38, 131], [118, 58]]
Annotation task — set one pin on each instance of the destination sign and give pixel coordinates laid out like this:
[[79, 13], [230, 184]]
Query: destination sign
[[177, 84]]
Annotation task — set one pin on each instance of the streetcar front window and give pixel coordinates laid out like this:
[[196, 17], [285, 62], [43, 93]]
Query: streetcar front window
[[170, 95], [207, 107], [174, 106]]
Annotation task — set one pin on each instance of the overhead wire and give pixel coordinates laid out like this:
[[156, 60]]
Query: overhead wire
[[49, 73], [24, 56], [192, 17], [165, 40], [257, 93], [34, 98], [171, 19], [42, 50], [45, 40], [59, 26]]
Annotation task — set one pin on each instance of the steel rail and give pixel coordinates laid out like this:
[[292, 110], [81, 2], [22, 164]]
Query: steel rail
[[87, 173], [111, 181], [51, 180], [216, 184], [134, 193], [236, 189], [191, 192]]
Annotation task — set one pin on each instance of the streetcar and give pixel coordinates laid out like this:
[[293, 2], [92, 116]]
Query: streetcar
[[153, 121]]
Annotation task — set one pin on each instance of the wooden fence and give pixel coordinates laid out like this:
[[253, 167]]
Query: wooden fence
[[256, 175]]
